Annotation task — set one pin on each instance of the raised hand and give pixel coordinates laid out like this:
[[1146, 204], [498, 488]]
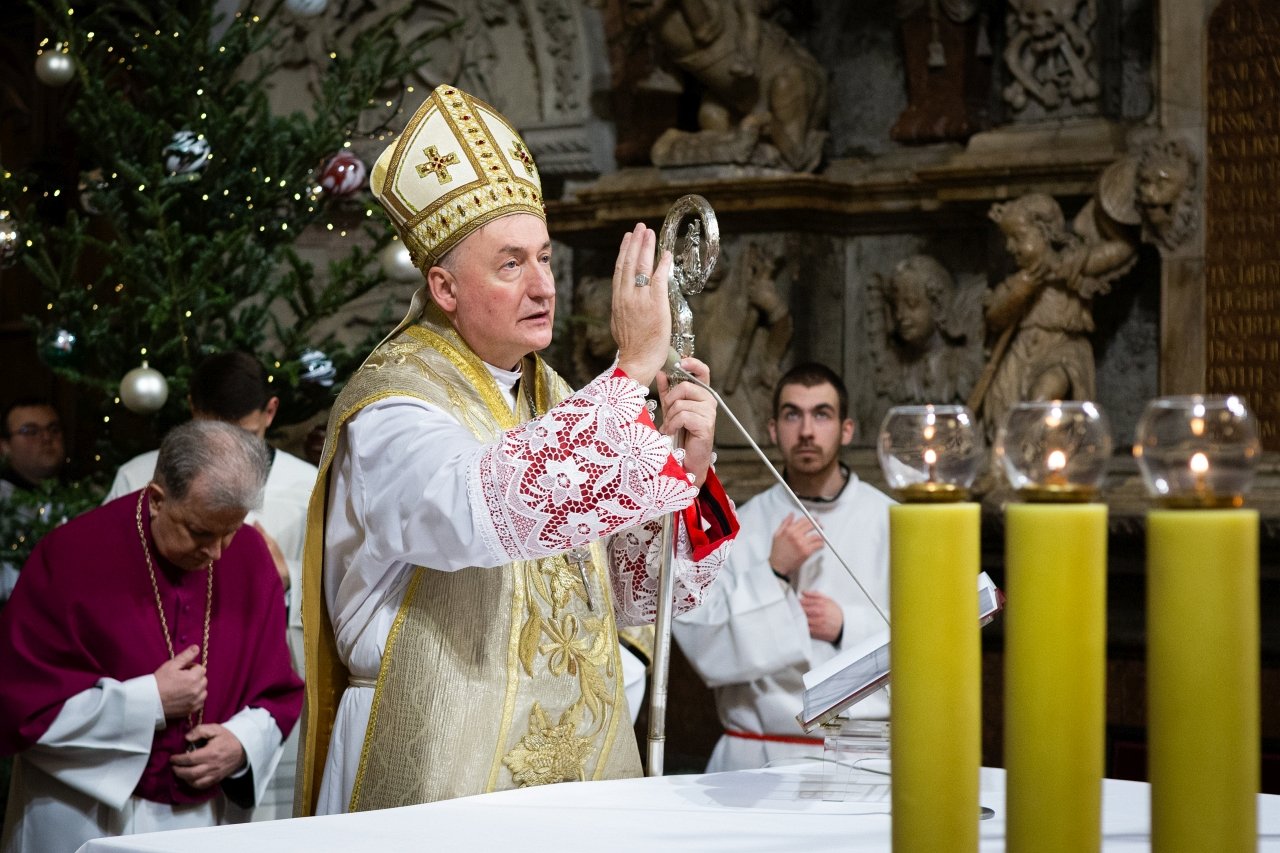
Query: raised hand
[[795, 540], [641, 314]]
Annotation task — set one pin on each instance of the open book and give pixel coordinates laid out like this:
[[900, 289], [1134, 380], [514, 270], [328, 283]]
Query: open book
[[861, 670]]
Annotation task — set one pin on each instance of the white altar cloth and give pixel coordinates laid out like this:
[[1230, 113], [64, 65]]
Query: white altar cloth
[[779, 809]]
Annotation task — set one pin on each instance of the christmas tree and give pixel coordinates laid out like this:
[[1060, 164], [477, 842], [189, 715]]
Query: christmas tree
[[193, 194]]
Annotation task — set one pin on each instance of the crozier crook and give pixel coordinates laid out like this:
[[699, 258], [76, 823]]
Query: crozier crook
[[694, 260]]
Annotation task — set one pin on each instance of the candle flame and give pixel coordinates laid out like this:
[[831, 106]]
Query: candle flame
[[1057, 461], [1197, 426], [1199, 463], [930, 456]]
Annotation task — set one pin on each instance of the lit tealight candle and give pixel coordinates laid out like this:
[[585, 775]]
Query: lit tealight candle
[[1197, 456], [1055, 454], [1199, 465], [930, 455]]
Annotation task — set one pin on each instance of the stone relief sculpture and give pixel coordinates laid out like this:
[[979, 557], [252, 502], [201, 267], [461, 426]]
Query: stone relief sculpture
[[1148, 196], [744, 333], [765, 100], [767, 320], [1166, 193], [742, 323], [926, 335], [1050, 52], [1041, 316], [593, 345]]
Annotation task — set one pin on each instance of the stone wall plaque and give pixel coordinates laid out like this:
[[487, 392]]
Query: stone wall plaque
[[1242, 209]]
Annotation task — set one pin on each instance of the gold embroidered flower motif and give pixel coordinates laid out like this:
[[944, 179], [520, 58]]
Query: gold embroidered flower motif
[[566, 650], [550, 753], [581, 650]]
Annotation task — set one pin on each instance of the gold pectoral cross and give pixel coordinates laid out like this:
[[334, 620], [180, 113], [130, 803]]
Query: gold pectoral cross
[[580, 557], [437, 165]]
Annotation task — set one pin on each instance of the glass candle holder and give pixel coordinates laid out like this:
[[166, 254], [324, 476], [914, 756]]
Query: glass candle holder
[[1055, 451], [930, 456], [1197, 451], [930, 453], [1055, 454]]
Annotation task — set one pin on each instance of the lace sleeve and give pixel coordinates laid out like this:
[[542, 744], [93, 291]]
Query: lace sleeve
[[593, 465], [704, 534]]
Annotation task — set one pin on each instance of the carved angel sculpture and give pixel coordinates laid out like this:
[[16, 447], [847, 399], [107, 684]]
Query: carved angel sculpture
[[926, 335], [1042, 315]]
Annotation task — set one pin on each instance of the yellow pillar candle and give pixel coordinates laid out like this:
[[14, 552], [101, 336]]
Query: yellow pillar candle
[[1055, 676], [1202, 679], [935, 709]]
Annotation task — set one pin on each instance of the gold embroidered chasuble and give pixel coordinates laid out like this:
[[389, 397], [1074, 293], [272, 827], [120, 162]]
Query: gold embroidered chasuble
[[492, 678]]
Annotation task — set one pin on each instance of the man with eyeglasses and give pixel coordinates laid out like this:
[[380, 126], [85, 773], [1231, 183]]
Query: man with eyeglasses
[[31, 443], [32, 449]]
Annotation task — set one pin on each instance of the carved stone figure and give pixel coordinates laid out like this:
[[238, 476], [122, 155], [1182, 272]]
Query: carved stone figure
[[593, 345], [1050, 52], [1167, 196], [927, 335], [744, 329], [765, 98], [1154, 188], [742, 324], [1042, 315]]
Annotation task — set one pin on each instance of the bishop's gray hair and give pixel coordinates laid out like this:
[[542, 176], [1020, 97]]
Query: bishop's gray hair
[[232, 464]]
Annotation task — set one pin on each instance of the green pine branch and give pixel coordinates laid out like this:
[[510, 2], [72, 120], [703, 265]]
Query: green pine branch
[[186, 263]]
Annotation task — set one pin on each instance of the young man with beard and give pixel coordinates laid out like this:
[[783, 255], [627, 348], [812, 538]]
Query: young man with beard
[[783, 603]]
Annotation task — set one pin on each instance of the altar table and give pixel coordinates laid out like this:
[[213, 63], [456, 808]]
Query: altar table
[[778, 809]]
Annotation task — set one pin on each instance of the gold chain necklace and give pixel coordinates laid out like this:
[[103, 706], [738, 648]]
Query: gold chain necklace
[[164, 623]]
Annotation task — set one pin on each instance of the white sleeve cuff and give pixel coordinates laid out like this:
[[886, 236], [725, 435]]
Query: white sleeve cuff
[[258, 733]]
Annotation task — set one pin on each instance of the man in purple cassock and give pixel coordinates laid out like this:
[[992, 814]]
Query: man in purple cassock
[[145, 681]]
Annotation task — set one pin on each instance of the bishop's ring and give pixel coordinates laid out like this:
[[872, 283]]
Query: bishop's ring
[[642, 280]]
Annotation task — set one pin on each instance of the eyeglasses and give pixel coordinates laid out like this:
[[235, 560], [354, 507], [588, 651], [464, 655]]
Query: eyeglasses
[[33, 430]]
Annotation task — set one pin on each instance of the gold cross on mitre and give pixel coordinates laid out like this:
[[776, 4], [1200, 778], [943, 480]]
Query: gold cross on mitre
[[437, 165], [522, 154]]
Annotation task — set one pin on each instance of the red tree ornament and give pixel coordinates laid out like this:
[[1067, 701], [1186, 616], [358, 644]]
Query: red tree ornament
[[343, 174]]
